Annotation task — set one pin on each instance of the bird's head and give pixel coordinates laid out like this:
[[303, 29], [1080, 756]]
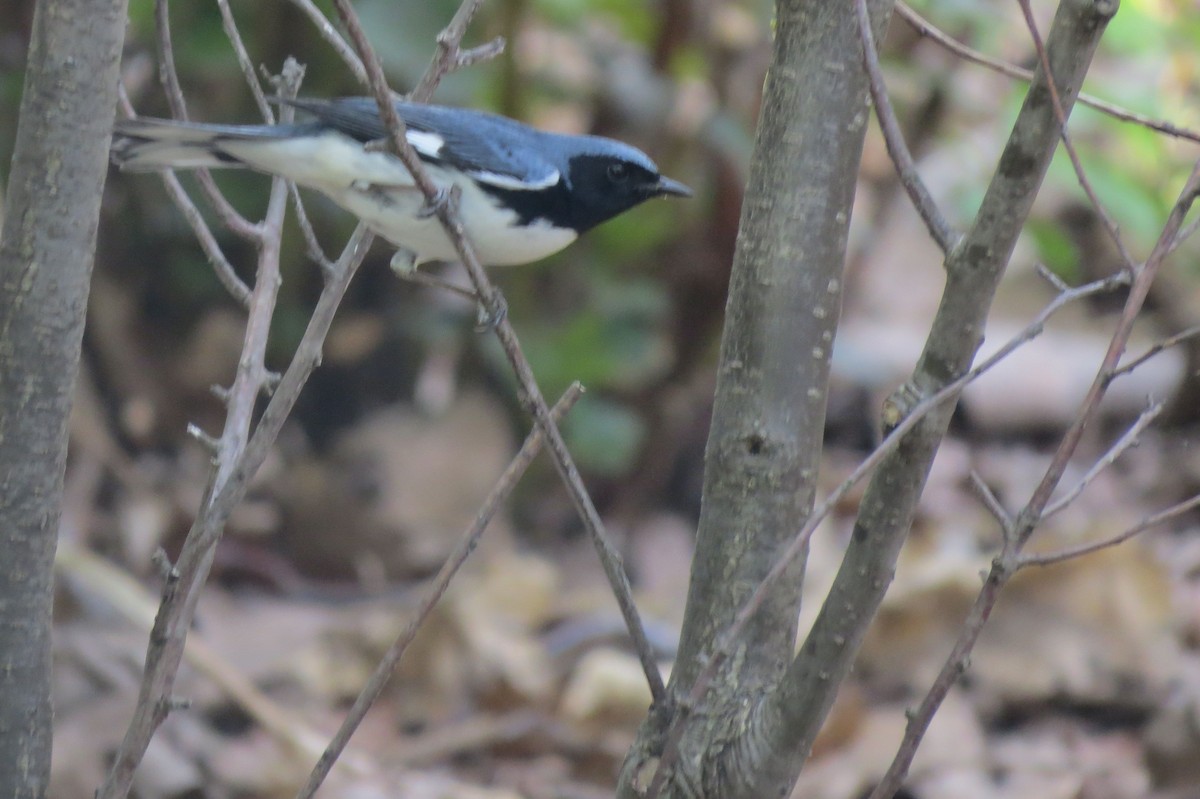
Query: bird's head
[[606, 177]]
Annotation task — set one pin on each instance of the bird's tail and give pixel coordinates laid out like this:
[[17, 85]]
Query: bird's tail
[[145, 144]]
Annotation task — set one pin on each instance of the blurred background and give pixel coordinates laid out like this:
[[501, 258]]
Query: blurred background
[[1085, 686]]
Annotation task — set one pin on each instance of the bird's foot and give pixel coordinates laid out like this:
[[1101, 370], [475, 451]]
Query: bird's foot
[[434, 206], [404, 263], [488, 319]]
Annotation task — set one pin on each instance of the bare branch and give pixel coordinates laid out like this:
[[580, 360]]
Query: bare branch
[[935, 221], [494, 306], [448, 57], [1049, 559], [333, 38], [1129, 439], [229, 216], [426, 279], [927, 29], [313, 246], [433, 594], [1032, 514], [992, 503], [177, 609], [243, 58], [1165, 344], [191, 214], [1059, 112], [725, 643]]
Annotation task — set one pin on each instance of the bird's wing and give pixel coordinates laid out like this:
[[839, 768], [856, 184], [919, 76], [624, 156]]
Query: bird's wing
[[490, 148]]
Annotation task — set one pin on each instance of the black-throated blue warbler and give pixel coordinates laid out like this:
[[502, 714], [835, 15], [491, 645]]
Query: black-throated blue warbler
[[526, 193]]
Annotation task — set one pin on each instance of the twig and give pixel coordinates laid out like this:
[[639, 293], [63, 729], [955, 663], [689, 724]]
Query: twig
[[1129, 439], [1166, 515], [313, 245], [168, 636], [1031, 515], [229, 24], [333, 38], [992, 503], [200, 229], [426, 279], [454, 561], [447, 57], [1165, 344], [127, 596], [725, 642], [229, 216], [1010, 558], [180, 594], [1186, 234], [941, 231], [927, 29], [1068, 144], [493, 303]]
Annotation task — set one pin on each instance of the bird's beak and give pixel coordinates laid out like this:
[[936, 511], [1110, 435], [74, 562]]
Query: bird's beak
[[672, 187]]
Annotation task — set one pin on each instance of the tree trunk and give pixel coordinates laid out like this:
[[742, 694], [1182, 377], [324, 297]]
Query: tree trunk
[[769, 415], [58, 169]]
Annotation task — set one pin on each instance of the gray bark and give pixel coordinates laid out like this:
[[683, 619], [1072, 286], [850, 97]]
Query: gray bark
[[58, 169], [974, 269], [768, 420]]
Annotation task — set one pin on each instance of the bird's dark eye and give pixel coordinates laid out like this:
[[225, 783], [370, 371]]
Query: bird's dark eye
[[617, 173]]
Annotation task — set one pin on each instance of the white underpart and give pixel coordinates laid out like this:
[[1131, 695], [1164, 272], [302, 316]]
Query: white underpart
[[377, 188]]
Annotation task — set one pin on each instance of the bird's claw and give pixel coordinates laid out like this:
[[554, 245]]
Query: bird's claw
[[435, 205], [488, 319]]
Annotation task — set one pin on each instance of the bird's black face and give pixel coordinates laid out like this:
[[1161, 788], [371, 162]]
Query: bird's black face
[[603, 186]]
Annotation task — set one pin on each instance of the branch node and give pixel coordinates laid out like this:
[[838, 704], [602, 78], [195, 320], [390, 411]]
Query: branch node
[[166, 570], [208, 442]]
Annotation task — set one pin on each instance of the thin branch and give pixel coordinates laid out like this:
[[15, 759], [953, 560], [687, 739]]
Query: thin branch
[[1186, 234], [1165, 344], [229, 24], [725, 642], [432, 281], [1031, 515], [1129, 439], [180, 594], [311, 243], [229, 216], [446, 55], [927, 29], [493, 303], [992, 503], [433, 594], [203, 233], [1166, 515], [1144, 277], [1068, 144], [935, 221], [333, 38], [240, 453]]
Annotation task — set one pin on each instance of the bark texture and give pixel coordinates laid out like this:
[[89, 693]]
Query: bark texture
[[58, 169], [769, 414], [974, 269]]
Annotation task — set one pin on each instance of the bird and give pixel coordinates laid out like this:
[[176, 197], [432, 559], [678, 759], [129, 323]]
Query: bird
[[525, 193]]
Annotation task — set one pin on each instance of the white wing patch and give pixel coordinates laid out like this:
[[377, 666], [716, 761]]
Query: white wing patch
[[515, 183], [425, 143]]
